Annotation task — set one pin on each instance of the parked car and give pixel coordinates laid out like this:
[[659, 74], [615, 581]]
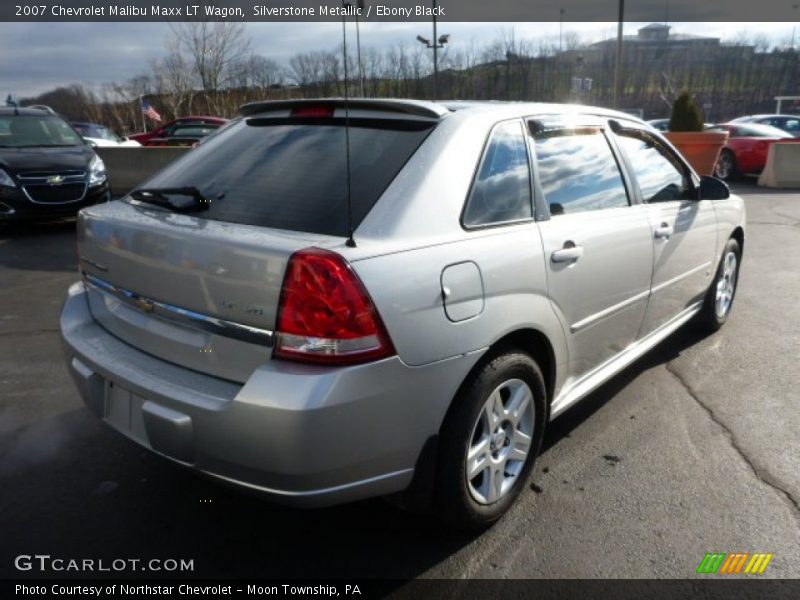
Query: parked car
[[168, 129], [220, 129], [406, 323], [747, 148], [663, 124], [101, 136], [787, 123], [660, 124], [184, 135], [46, 168]]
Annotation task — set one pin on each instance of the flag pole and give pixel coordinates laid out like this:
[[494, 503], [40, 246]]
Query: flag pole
[[141, 109]]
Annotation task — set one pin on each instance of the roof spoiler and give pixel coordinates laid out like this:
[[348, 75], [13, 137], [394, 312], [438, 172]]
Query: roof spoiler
[[426, 110]]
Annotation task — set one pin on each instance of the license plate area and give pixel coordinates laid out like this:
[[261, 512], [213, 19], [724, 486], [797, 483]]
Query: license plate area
[[123, 411]]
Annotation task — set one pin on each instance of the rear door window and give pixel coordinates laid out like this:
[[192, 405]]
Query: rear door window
[[292, 174]]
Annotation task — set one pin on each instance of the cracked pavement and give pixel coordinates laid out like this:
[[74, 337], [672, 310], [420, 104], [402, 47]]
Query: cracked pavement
[[693, 449]]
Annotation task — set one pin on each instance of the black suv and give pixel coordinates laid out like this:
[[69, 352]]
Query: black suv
[[46, 168]]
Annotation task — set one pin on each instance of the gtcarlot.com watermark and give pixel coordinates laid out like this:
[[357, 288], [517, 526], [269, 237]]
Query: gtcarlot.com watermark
[[45, 563]]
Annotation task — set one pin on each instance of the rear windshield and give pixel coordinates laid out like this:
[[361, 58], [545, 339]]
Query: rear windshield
[[96, 131], [293, 174]]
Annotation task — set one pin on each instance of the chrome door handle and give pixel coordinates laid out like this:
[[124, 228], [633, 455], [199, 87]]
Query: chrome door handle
[[567, 254], [664, 231]]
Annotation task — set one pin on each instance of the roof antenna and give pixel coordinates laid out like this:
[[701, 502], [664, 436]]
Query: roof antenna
[[350, 243], [11, 100]]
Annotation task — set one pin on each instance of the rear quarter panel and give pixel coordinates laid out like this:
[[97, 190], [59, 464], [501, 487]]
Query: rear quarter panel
[[407, 290], [747, 159]]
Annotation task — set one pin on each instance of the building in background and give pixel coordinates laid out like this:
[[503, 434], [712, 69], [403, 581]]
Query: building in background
[[656, 42]]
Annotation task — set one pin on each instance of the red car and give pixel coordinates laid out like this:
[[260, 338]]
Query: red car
[[167, 130], [747, 148]]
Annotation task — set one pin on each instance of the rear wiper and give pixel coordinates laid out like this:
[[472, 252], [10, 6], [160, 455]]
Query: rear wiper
[[192, 199]]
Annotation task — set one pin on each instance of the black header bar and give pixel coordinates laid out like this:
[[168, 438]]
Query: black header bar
[[400, 10]]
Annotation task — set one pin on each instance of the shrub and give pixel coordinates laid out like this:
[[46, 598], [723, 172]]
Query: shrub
[[685, 115]]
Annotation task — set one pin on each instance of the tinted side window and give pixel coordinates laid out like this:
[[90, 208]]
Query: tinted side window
[[501, 191], [578, 171], [660, 176]]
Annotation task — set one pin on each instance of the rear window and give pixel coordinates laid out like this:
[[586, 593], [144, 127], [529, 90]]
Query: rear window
[[293, 174], [195, 131]]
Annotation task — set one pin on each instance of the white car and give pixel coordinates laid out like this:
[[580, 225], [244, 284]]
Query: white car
[[101, 136]]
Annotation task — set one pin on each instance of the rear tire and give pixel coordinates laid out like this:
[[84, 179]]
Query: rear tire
[[719, 298], [489, 441]]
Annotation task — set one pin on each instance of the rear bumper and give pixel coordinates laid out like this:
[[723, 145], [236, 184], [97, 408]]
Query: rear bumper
[[303, 435], [15, 206]]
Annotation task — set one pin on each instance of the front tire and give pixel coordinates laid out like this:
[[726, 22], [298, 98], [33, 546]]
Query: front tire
[[489, 441], [719, 298], [726, 168]]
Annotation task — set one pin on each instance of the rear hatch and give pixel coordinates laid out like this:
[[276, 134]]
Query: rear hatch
[[201, 288]]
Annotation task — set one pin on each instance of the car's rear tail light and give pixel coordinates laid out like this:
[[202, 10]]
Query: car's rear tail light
[[325, 315], [313, 111]]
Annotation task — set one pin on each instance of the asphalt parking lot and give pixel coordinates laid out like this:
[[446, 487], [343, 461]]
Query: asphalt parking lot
[[693, 449]]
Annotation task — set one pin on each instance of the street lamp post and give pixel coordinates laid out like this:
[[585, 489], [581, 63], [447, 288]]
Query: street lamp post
[[358, 7], [438, 42], [618, 64]]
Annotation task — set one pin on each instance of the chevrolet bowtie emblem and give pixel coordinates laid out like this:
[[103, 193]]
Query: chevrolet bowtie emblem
[[55, 180], [144, 305]]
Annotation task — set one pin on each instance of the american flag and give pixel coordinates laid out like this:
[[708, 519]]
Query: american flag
[[150, 112]]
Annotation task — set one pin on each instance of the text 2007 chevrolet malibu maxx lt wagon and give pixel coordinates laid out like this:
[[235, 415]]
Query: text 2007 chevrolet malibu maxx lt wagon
[[505, 260]]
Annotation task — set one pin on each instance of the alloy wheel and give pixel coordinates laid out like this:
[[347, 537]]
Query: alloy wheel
[[726, 285], [724, 165], [500, 442]]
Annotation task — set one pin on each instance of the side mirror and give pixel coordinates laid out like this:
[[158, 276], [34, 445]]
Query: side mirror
[[712, 188]]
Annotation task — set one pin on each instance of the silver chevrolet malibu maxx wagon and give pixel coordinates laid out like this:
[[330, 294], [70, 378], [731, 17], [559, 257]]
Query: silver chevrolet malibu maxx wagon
[[402, 323]]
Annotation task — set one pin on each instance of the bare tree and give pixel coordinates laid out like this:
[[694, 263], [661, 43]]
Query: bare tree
[[212, 48], [175, 82], [308, 70], [265, 73]]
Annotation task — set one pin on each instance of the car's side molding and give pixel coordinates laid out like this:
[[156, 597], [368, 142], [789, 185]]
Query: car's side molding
[[677, 278], [577, 390], [591, 319]]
